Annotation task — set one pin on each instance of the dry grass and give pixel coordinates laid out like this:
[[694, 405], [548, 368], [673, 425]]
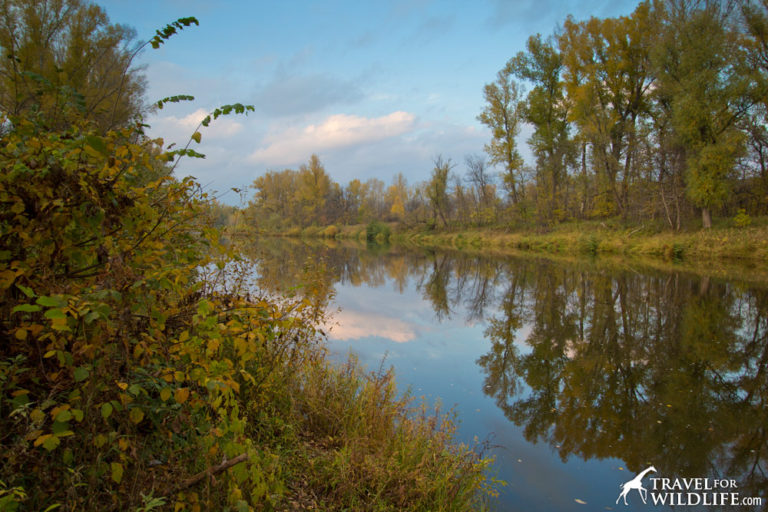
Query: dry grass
[[743, 244]]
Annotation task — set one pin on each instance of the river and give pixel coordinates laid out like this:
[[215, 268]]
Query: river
[[577, 376]]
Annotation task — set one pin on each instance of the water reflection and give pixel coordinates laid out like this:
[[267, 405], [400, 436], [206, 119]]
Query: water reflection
[[647, 367], [662, 369]]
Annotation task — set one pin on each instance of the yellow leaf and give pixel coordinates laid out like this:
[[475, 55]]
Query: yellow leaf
[[117, 472], [56, 410], [165, 394], [40, 440], [136, 415], [37, 416], [181, 395], [21, 334], [122, 385]]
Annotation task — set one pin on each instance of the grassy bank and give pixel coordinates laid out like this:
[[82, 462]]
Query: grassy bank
[[747, 244], [727, 243]]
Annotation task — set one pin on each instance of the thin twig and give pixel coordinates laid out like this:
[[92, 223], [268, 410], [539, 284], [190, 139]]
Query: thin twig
[[209, 472]]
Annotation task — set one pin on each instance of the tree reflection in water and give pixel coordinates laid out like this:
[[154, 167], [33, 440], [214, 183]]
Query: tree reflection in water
[[663, 369], [654, 368]]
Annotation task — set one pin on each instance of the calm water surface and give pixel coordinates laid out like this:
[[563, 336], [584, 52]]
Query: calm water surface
[[580, 376]]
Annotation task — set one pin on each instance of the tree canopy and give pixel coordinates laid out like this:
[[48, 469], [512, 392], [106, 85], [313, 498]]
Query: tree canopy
[[63, 60]]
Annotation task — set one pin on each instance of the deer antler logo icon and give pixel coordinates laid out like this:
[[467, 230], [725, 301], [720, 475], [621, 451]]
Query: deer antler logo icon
[[635, 483]]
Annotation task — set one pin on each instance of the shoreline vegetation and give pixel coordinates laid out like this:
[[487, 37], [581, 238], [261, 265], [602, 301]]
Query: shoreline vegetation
[[140, 368], [746, 245]]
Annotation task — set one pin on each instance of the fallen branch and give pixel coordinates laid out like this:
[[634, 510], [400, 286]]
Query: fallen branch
[[189, 482]]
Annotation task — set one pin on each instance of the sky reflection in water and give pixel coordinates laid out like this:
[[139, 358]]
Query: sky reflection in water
[[580, 376]]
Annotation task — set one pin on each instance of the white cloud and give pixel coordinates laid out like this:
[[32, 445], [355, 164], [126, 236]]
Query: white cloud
[[353, 325], [294, 144], [183, 127]]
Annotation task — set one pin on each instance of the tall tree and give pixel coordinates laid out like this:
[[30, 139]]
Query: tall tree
[[607, 77], [312, 191], [546, 109], [710, 87], [502, 114], [398, 196], [437, 189], [63, 60]]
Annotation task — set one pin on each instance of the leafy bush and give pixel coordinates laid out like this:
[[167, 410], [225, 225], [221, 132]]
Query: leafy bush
[[742, 219], [330, 232], [124, 361], [377, 232]]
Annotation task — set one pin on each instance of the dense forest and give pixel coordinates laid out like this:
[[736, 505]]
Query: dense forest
[[657, 115]]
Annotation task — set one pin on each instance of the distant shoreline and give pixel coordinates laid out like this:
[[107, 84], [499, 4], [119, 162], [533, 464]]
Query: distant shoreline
[[743, 245]]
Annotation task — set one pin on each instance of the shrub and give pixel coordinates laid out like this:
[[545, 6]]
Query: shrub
[[330, 232], [742, 219], [377, 232], [123, 360]]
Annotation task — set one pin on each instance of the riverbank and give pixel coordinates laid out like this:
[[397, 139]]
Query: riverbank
[[741, 245], [746, 245]]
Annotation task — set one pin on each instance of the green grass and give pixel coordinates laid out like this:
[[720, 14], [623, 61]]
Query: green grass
[[722, 242]]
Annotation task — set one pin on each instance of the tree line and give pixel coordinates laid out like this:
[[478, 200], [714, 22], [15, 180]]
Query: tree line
[[658, 115]]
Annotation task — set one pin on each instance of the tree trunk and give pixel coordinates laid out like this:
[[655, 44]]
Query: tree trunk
[[706, 218]]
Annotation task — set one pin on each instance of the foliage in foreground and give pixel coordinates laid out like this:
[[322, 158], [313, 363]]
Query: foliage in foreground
[[138, 371]]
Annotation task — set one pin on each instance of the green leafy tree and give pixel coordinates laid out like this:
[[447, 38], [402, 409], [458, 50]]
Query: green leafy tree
[[313, 187], [437, 190], [546, 108], [710, 87], [607, 77], [502, 114]]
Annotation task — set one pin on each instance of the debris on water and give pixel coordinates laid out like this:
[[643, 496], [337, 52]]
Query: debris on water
[[580, 502]]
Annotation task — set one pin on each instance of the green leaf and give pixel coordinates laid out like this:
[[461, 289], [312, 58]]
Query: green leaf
[[174, 99], [136, 415], [170, 29], [26, 290], [117, 472], [26, 308], [51, 302], [81, 373], [106, 410], [196, 137], [97, 143], [51, 443], [55, 313], [63, 416]]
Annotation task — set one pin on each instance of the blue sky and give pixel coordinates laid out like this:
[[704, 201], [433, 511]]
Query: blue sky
[[374, 88]]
